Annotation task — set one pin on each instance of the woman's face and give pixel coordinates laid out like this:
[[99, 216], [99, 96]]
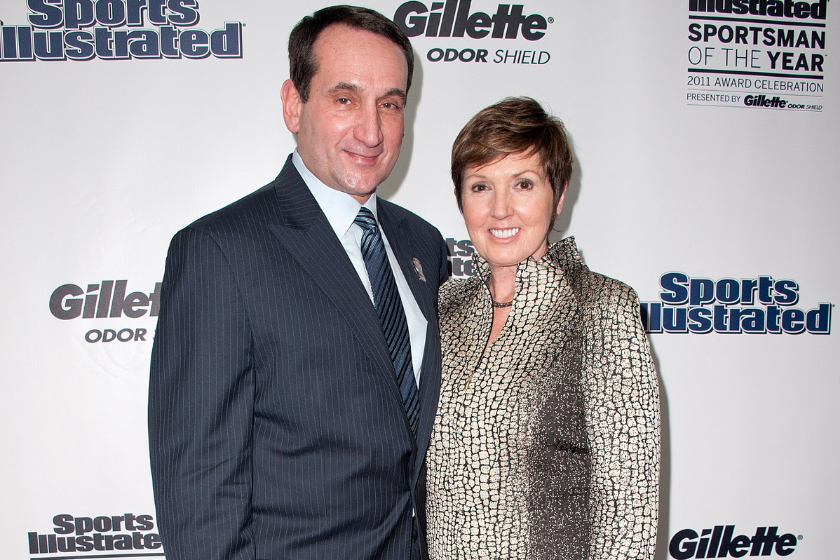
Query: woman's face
[[508, 209]]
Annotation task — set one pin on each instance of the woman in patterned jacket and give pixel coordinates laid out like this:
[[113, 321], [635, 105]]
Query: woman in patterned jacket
[[546, 441]]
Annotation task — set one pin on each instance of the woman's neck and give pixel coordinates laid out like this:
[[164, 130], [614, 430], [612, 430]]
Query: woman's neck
[[502, 283]]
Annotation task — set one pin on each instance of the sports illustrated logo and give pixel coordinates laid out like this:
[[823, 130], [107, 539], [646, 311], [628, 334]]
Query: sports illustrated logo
[[456, 19], [720, 543], [739, 47], [760, 305], [114, 30], [775, 8], [106, 300], [104, 533], [461, 252]]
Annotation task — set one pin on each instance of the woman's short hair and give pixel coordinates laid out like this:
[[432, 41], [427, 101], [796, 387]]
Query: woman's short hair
[[514, 125]]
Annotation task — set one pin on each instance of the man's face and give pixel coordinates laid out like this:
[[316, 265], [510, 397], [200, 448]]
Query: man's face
[[350, 130]]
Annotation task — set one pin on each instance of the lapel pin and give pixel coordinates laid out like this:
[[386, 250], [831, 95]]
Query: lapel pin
[[418, 268]]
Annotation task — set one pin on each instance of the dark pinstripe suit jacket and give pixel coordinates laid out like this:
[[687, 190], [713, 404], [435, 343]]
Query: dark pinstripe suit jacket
[[276, 427]]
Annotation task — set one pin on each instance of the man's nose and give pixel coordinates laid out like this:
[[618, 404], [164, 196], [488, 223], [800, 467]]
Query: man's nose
[[368, 128]]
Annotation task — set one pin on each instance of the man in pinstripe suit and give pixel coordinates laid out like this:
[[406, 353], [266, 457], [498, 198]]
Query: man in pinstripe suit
[[277, 428]]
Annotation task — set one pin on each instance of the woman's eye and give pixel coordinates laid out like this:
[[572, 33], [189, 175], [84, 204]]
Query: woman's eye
[[478, 187]]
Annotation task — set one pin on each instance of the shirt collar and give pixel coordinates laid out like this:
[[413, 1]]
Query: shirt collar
[[339, 208]]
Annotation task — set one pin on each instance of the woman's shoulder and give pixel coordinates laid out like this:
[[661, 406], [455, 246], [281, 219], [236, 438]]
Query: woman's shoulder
[[592, 288], [458, 292], [459, 301], [599, 288]]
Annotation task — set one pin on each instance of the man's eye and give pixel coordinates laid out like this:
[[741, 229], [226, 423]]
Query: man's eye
[[391, 105], [343, 100]]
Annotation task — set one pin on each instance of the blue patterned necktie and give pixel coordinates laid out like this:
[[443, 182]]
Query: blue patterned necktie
[[389, 308]]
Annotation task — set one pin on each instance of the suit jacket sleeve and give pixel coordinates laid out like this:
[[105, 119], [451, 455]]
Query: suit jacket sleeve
[[444, 264], [201, 400], [623, 422]]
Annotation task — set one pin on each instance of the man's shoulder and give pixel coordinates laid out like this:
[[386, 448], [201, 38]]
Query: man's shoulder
[[229, 229], [397, 214], [251, 206], [264, 205]]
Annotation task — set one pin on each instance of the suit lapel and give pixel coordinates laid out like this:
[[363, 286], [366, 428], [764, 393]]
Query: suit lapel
[[308, 237], [400, 238]]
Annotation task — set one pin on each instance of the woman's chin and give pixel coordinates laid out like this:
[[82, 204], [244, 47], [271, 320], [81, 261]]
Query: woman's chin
[[507, 256], [503, 261]]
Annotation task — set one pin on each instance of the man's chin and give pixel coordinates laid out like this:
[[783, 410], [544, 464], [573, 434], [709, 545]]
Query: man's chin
[[361, 187]]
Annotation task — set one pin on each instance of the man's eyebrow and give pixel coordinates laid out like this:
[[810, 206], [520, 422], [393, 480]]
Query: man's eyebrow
[[396, 92], [344, 86]]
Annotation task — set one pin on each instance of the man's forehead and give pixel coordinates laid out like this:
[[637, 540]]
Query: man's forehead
[[341, 31], [339, 39]]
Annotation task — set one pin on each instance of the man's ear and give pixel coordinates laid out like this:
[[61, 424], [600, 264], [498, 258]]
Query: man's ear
[[292, 106]]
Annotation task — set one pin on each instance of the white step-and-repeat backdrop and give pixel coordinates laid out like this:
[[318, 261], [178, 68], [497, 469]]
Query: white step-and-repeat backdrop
[[707, 141]]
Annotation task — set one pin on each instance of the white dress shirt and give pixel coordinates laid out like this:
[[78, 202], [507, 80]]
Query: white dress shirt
[[341, 210]]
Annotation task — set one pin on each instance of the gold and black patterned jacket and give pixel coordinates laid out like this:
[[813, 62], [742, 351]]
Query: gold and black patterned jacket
[[546, 445]]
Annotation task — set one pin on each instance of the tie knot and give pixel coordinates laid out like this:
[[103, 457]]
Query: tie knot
[[365, 219]]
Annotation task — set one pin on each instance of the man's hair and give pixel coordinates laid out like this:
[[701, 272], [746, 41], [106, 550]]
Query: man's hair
[[514, 125], [302, 63]]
